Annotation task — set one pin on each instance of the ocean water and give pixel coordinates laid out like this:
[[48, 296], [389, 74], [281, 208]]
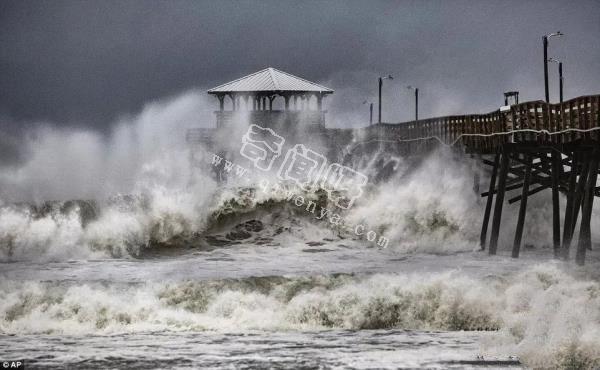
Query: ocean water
[[165, 268], [298, 306]]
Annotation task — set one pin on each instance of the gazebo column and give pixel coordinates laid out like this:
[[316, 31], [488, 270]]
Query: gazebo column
[[320, 102], [295, 102], [271, 98], [264, 103], [254, 103], [287, 102], [232, 97], [246, 101], [221, 98]]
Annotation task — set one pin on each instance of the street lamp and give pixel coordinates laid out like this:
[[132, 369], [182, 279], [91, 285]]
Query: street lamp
[[560, 76], [545, 41], [381, 84], [416, 100], [370, 111]]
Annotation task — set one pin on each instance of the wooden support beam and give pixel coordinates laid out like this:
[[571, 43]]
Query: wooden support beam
[[568, 227], [522, 210], [585, 233], [505, 161], [530, 193], [488, 204], [556, 172], [508, 188], [580, 191]]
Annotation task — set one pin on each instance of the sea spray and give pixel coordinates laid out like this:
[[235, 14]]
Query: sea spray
[[543, 314]]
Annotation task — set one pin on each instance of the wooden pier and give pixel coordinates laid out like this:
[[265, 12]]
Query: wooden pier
[[535, 146], [531, 147]]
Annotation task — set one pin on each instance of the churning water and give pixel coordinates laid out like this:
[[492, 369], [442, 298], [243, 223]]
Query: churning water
[[164, 268]]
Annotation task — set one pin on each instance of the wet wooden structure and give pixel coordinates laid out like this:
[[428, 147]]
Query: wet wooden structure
[[531, 147], [535, 146], [529, 167]]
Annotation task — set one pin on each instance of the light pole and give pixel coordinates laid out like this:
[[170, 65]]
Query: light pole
[[545, 41], [380, 85], [416, 101], [370, 112], [560, 76]]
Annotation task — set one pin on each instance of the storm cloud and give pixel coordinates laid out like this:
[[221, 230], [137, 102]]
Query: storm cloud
[[86, 63]]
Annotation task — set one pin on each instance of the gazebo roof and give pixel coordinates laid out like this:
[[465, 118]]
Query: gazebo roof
[[270, 80]]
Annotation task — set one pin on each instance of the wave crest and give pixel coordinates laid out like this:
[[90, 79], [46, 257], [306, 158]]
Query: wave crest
[[546, 316]]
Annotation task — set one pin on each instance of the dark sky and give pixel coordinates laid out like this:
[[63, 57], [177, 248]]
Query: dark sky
[[87, 62]]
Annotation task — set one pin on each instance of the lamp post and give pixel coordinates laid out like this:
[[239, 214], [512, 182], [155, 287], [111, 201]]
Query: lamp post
[[560, 76], [416, 101], [370, 112], [545, 42], [380, 85]]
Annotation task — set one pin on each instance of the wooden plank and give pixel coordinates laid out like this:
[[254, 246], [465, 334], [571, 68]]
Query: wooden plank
[[580, 189], [596, 115], [505, 162], [488, 204], [585, 234], [572, 123], [556, 172], [522, 208], [568, 227], [580, 120]]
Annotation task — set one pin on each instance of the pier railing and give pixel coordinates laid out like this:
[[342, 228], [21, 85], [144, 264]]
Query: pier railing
[[578, 113]]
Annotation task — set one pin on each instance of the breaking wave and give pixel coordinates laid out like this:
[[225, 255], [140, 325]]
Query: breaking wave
[[544, 315], [414, 210], [145, 193]]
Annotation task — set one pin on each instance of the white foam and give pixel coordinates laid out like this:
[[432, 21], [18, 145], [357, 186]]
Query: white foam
[[545, 315]]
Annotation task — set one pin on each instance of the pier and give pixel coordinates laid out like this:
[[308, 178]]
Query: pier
[[534, 146], [531, 147]]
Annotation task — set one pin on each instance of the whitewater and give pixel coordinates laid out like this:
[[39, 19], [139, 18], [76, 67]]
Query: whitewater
[[115, 252]]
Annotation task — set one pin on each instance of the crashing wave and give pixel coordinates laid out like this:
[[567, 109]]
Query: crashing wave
[[544, 315], [415, 211]]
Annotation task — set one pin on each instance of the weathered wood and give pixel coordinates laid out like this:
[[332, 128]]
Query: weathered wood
[[543, 162], [585, 234], [556, 172], [522, 209], [568, 223], [505, 161], [580, 191], [530, 193], [488, 204], [508, 188]]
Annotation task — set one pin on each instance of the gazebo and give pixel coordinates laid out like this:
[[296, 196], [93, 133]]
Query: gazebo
[[257, 93]]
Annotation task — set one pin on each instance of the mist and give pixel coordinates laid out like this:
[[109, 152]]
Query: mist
[[61, 163]]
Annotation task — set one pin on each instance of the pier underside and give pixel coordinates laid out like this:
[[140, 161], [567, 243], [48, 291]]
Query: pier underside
[[522, 169]]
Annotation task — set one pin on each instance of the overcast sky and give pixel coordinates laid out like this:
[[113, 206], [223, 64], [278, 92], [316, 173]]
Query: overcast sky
[[85, 63]]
